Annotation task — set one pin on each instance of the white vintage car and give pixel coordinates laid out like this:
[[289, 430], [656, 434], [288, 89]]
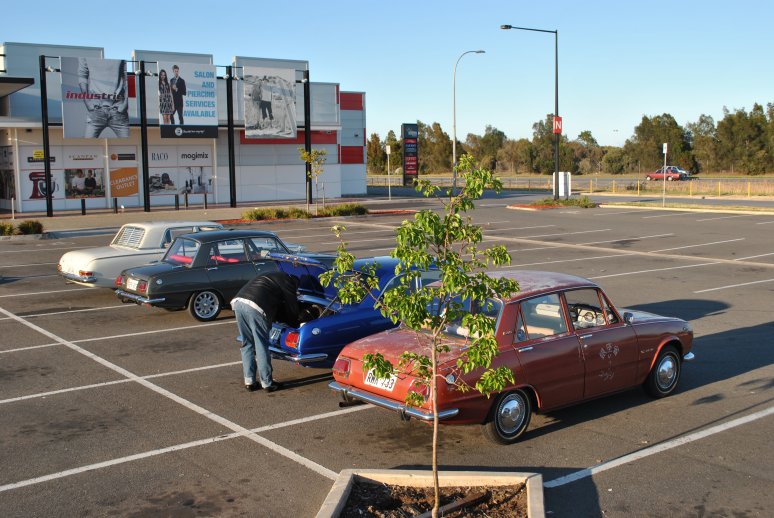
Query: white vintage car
[[135, 244]]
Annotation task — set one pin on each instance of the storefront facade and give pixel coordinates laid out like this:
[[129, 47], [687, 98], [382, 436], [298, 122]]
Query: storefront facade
[[108, 168]]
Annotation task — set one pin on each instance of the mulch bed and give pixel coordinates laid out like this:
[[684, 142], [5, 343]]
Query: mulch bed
[[385, 212], [368, 499], [533, 207]]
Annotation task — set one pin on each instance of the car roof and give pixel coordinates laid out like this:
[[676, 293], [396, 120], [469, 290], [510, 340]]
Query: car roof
[[218, 235], [152, 225], [533, 282]]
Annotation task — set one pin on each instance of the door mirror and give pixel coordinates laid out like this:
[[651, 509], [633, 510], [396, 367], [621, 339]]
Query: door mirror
[[628, 318]]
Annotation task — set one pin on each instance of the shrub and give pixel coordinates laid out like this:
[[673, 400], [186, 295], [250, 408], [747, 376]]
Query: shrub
[[30, 226], [583, 202], [345, 209], [6, 229]]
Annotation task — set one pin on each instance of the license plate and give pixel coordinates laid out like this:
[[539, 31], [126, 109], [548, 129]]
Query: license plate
[[131, 284], [383, 383], [274, 335]]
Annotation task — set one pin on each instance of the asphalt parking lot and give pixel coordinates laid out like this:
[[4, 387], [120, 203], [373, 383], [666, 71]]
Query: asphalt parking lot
[[115, 409]]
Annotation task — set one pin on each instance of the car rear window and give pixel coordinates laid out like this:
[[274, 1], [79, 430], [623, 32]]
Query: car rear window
[[182, 252], [129, 236]]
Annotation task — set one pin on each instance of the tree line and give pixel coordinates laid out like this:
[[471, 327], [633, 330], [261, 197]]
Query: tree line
[[742, 142]]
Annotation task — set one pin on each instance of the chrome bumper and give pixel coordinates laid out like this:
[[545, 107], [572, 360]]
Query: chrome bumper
[[349, 393], [139, 299], [688, 357], [296, 358], [78, 278]]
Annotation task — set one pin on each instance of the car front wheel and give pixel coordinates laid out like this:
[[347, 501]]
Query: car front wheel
[[204, 306], [648, 178], [510, 417], [665, 374]]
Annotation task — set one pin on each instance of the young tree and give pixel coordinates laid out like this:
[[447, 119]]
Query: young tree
[[449, 241], [317, 160]]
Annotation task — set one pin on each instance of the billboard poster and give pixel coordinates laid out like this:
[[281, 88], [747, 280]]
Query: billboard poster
[[124, 175], [95, 98], [84, 168], [32, 177], [7, 184], [270, 102], [187, 100], [180, 170], [410, 135]]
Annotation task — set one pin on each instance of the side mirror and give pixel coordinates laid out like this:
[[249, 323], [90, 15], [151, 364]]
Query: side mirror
[[628, 318]]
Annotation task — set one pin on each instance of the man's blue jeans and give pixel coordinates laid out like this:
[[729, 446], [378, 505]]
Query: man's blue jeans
[[254, 329]]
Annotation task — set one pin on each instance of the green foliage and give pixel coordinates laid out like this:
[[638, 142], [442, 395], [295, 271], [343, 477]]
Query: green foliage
[[30, 226], [6, 229], [345, 209], [316, 159], [583, 202], [449, 241]]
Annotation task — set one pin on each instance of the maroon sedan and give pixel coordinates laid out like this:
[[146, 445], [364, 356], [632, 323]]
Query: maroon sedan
[[560, 335]]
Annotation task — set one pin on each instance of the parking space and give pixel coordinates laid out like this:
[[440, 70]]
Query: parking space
[[111, 408]]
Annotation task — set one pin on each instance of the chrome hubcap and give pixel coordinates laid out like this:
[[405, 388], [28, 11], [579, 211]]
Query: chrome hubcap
[[667, 372], [511, 414], [206, 304]]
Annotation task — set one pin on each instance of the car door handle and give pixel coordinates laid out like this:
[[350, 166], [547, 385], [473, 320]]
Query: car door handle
[[525, 349], [212, 268], [260, 264], [586, 337]]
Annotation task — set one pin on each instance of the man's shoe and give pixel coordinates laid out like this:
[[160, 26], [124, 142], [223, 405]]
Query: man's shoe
[[252, 387], [275, 385]]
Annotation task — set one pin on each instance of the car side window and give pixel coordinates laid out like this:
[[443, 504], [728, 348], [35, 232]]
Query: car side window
[[521, 332], [586, 309], [260, 247], [172, 233], [543, 316], [230, 251]]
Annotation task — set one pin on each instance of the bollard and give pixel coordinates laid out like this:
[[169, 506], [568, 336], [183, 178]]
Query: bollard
[[177, 202], [718, 188], [83, 206], [115, 205], [748, 189], [185, 199], [205, 200], [638, 187]]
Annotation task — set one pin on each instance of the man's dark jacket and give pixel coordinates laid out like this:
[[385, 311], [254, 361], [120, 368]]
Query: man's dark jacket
[[177, 96], [275, 294]]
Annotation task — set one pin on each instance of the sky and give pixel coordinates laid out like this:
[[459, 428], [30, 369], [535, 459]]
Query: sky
[[618, 60]]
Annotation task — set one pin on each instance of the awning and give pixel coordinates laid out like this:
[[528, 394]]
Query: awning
[[9, 85]]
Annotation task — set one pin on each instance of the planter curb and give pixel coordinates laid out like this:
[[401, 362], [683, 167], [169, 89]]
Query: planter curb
[[337, 497]]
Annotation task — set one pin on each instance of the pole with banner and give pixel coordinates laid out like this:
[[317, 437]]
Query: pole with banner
[[663, 183], [46, 146], [232, 194], [410, 135], [144, 139]]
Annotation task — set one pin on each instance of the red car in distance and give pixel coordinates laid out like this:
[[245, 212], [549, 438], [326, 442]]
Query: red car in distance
[[673, 174], [560, 335]]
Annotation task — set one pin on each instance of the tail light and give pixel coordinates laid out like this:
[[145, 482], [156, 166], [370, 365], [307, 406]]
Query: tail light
[[291, 340], [422, 389], [341, 367], [119, 281], [142, 286], [85, 273]]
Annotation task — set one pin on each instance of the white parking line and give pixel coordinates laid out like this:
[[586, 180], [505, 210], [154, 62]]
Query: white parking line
[[594, 242], [764, 222], [694, 246], [734, 285], [72, 311], [658, 448], [670, 214], [565, 233], [26, 265], [40, 249], [753, 256], [639, 211], [722, 217], [177, 447], [42, 292], [516, 228], [564, 261], [653, 270], [26, 348], [242, 431]]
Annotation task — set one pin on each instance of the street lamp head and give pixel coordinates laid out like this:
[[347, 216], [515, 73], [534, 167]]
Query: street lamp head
[[506, 27], [480, 51]]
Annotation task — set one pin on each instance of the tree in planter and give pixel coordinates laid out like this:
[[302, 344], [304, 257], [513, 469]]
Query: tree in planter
[[316, 158], [447, 240]]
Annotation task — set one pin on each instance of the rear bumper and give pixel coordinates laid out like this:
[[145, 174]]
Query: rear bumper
[[297, 358], [139, 299], [348, 394]]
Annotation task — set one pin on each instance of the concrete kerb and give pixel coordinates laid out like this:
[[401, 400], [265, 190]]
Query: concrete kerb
[[715, 209]]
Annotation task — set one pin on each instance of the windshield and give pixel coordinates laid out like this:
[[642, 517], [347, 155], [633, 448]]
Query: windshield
[[182, 252], [490, 308]]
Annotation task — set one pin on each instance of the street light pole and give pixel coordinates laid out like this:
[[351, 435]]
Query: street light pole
[[557, 136], [454, 118]]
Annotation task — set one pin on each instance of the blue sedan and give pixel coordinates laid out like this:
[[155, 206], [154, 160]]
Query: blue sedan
[[328, 325]]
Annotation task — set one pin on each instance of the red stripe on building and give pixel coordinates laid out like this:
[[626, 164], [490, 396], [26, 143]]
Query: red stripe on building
[[338, 98], [318, 137], [351, 155], [351, 101], [131, 86]]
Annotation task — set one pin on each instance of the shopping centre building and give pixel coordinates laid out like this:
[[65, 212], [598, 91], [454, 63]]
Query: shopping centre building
[[103, 149]]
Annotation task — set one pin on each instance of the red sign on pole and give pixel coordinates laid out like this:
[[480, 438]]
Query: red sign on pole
[[557, 124]]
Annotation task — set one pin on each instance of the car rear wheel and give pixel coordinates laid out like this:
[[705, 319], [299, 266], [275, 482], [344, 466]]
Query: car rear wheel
[[204, 305], [669, 178], [510, 417], [665, 374], [648, 178]]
